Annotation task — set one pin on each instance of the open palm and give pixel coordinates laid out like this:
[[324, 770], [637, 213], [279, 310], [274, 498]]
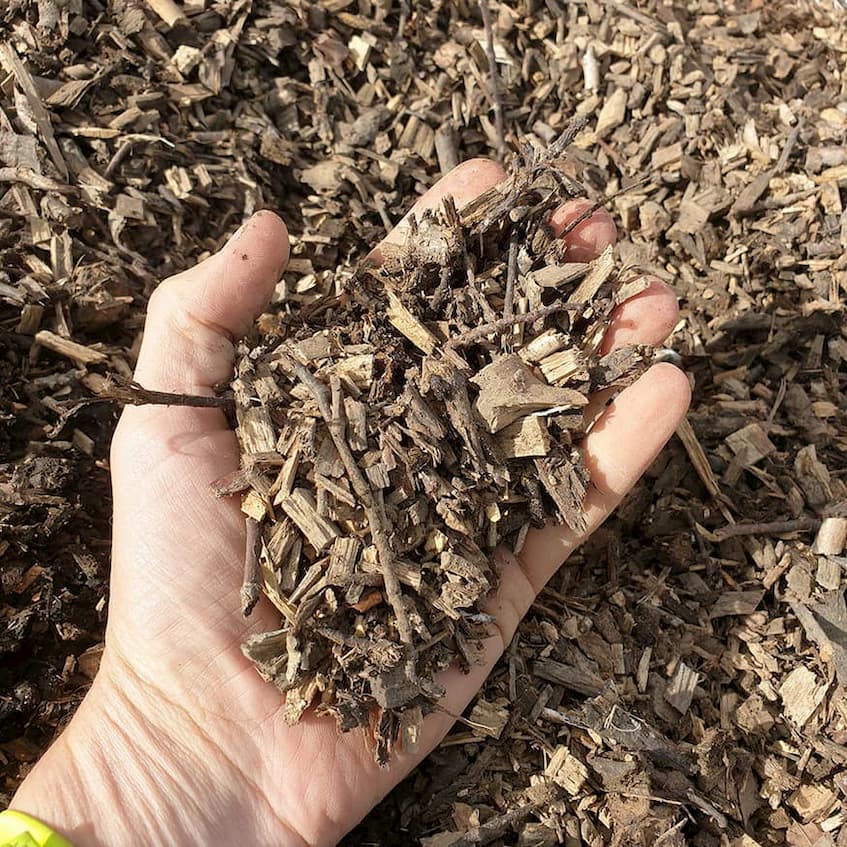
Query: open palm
[[218, 763]]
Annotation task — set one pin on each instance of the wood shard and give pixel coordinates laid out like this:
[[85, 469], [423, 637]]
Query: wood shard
[[680, 689], [525, 437], [406, 323], [554, 276], [391, 689], [508, 390], [564, 366], [574, 679], [70, 349], [488, 719], [801, 694], [357, 369], [300, 507], [832, 537], [566, 770], [600, 271], [750, 444], [736, 603]]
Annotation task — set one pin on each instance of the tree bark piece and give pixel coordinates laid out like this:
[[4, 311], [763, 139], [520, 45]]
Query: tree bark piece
[[508, 390]]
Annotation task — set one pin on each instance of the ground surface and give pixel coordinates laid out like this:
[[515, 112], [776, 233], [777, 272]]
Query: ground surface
[[682, 678]]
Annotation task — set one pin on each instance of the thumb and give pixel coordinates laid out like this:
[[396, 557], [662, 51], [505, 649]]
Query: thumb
[[193, 318], [163, 459]]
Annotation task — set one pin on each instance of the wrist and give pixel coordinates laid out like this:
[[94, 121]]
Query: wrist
[[130, 769], [62, 789]]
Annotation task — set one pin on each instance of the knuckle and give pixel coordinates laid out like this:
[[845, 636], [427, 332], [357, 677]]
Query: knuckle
[[162, 303], [513, 599], [481, 165]]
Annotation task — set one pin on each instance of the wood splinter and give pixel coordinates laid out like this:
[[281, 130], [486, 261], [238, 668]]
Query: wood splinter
[[496, 97], [250, 587]]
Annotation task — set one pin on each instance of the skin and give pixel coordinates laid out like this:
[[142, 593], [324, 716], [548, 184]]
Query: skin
[[179, 741]]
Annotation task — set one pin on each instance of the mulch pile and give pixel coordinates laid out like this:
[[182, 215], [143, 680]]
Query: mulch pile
[[682, 679]]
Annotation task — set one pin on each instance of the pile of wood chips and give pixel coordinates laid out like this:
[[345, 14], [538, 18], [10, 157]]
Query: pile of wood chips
[[395, 433]]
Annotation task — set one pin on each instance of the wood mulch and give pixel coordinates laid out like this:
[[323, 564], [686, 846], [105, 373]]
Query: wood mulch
[[682, 679]]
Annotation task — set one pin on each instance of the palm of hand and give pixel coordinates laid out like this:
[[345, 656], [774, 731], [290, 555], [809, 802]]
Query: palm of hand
[[174, 624]]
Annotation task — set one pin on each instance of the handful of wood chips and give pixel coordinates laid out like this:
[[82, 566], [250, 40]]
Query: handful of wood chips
[[393, 434]]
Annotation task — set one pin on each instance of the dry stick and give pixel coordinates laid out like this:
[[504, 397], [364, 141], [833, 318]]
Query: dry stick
[[496, 99], [478, 297], [136, 395], [772, 528], [334, 417], [250, 591], [599, 204], [451, 214], [502, 324], [511, 276], [496, 827], [29, 177], [669, 834]]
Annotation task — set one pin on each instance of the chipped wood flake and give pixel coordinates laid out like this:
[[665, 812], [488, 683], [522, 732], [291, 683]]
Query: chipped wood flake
[[488, 720], [801, 694], [679, 691]]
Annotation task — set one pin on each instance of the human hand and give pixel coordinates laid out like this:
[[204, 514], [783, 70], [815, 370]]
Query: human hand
[[179, 741]]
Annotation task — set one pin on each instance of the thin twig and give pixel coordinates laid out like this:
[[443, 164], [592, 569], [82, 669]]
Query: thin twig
[[496, 827], [405, 10], [134, 394], [498, 326], [771, 528], [333, 415], [250, 591], [496, 98], [671, 833], [511, 277], [599, 204]]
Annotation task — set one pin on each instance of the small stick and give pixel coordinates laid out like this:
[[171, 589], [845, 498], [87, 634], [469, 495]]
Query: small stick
[[136, 395], [670, 834], [771, 528], [333, 415], [250, 591], [599, 204], [511, 276], [495, 827], [496, 99], [498, 326], [29, 177], [405, 10]]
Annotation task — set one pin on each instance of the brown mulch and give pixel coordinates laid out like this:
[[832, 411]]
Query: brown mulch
[[682, 678]]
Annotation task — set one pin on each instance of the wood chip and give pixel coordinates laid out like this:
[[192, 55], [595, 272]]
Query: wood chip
[[680, 689], [80, 353], [801, 694]]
